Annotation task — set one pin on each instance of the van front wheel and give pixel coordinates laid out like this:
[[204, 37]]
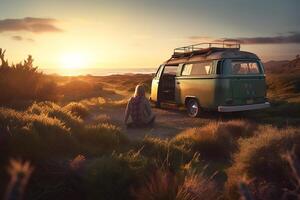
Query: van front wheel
[[193, 108]]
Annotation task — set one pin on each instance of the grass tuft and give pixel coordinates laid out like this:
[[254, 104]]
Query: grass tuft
[[260, 159], [216, 140]]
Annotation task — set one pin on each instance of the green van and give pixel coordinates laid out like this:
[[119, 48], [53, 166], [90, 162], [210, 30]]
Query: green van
[[219, 77]]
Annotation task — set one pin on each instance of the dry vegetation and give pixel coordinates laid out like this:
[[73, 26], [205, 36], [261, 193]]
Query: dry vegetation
[[46, 122]]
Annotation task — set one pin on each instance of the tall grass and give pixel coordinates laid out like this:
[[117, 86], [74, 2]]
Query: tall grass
[[46, 129], [164, 153], [169, 186], [78, 109], [260, 158], [101, 138], [216, 140], [53, 110], [34, 136]]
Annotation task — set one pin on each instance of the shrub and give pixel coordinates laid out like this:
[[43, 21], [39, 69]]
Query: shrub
[[170, 186], [53, 110], [260, 159], [34, 136], [108, 177], [94, 102], [78, 109], [23, 82], [53, 179], [13, 122], [101, 138], [197, 187], [101, 118], [215, 140], [164, 153]]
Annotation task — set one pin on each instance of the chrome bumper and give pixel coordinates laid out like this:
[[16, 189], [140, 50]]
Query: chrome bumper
[[243, 107]]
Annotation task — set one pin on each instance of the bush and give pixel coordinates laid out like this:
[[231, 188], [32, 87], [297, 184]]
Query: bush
[[102, 138], [54, 179], [215, 140], [23, 82], [33, 136], [170, 186], [53, 110], [260, 159], [78, 109], [94, 102], [164, 153], [108, 177]]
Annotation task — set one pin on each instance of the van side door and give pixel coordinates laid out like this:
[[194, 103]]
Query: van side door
[[155, 84]]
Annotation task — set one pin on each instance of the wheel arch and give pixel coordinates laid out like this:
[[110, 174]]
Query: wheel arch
[[187, 98]]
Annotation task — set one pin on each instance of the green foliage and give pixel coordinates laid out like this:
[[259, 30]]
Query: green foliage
[[260, 159]]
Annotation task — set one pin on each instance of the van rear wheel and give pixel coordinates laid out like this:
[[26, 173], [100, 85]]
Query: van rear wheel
[[193, 108]]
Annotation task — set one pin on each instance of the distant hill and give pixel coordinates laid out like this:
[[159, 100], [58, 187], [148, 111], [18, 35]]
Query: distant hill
[[283, 66], [283, 78]]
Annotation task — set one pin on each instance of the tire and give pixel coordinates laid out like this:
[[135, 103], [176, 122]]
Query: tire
[[193, 108]]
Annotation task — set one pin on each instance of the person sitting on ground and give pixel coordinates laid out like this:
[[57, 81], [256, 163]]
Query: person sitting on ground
[[139, 109]]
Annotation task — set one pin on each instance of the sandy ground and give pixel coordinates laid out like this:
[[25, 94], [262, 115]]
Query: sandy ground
[[169, 119], [169, 122]]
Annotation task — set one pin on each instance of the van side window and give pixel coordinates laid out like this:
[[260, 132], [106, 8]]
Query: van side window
[[244, 67], [170, 70], [187, 68], [203, 68]]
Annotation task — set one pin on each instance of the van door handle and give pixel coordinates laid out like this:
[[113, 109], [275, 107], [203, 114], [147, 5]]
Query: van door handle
[[177, 83]]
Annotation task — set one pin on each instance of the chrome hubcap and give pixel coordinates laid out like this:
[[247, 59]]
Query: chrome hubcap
[[193, 108]]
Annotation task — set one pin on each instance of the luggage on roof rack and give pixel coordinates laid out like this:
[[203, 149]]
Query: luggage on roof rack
[[204, 48]]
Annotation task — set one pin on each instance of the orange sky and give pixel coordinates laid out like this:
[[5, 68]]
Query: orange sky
[[88, 34]]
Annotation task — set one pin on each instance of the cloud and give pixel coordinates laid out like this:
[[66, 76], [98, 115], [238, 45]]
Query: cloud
[[17, 38], [29, 24], [291, 37], [20, 38]]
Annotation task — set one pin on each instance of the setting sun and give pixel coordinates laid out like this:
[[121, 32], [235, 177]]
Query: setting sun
[[74, 60]]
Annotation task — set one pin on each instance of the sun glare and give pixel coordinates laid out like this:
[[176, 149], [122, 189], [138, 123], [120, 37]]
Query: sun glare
[[74, 61]]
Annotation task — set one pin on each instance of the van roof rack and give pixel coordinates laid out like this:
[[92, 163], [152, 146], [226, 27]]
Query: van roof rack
[[204, 48]]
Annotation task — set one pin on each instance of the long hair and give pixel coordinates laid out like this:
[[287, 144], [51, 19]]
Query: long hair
[[139, 91]]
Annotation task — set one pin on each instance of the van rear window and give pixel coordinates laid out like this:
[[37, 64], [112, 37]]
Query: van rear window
[[204, 68], [241, 67]]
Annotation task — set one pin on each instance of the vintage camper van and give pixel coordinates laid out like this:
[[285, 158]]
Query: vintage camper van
[[216, 77]]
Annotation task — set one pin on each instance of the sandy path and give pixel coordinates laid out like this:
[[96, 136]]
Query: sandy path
[[169, 121]]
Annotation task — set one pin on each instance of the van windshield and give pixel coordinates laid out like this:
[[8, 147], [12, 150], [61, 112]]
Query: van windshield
[[241, 67]]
